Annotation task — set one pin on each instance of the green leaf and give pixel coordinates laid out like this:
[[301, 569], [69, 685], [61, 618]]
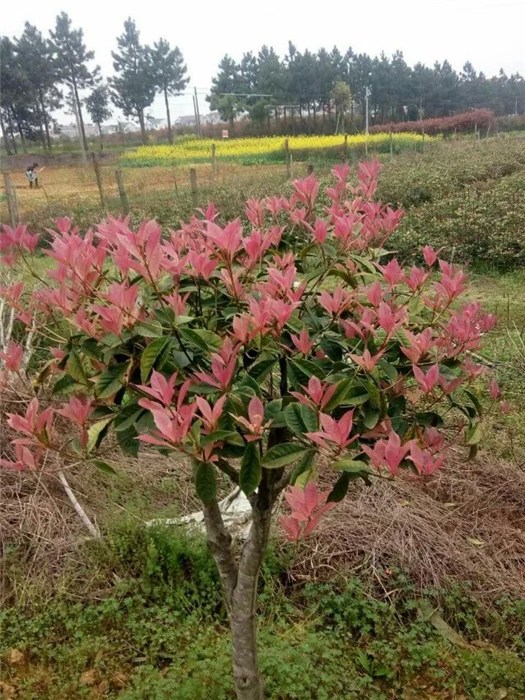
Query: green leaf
[[104, 467], [473, 434], [272, 410], [304, 467], [203, 339], [64, 384], [340, 488], [230, 436], [96, 433], [150, 355], [300, 419], [205, 481], [127, 440], [475, 401], [128, 417], [110, 381], [430, 418], [339, 395], [354, 468], [251, 470], [262, 369], [389, 370], [351, 465], [75, 368], [249, 382], [150, 329], [182, 320], [371, 418], [283, 454], [302, 370]]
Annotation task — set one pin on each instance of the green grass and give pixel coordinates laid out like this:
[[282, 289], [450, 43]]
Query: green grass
[[161, 632]]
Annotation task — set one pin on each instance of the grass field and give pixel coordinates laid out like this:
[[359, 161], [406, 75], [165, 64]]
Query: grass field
[[373, 609]]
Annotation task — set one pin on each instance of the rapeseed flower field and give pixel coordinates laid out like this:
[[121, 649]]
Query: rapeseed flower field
[[268, 149]]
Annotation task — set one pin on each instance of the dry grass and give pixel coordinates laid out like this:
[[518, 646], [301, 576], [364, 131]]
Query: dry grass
[[465, 524]]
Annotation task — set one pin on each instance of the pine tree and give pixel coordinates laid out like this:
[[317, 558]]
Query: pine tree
[[72, 61], [169, 71], [133, 86], [38, 60], [97, 104]]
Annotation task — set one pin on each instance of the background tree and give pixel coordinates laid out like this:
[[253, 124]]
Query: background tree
[[342, 97], [169, 71], [17, 108], [38, 59], [72, 62], [133, 86], [97, 104], [224, 94]]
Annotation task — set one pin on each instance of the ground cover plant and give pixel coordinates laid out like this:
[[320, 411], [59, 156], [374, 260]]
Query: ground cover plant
[[236, 351], [162, 633]]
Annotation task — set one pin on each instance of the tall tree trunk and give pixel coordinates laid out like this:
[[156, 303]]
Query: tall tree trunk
[[11, 131], [13, 138], [170, 135], [100, 137], [5, 136], [46, 121], [22, 137], [239, 580], [80, 117], [140, 113]]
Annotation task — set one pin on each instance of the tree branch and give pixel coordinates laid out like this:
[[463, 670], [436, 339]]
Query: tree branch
[[76, 505]]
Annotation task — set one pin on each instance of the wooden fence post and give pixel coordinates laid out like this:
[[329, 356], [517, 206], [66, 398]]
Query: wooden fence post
[[213, 160], [10, 194], [98, 175], [194, 188], [14, 202], [122, 192], [287, 157]]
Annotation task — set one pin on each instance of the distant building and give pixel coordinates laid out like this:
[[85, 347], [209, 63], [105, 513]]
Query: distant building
[[185, 121]]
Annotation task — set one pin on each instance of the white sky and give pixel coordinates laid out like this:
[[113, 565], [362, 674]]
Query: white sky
[[489, 33]]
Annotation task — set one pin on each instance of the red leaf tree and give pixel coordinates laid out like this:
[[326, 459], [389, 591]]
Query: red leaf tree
[[253, 349]]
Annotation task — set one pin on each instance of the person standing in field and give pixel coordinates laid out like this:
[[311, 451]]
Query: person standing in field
[[32, 175]]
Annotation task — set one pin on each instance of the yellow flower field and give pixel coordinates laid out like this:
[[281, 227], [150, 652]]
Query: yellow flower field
[[269, 149]]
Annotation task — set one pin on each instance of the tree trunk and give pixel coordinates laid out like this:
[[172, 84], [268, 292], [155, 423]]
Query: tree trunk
[[239, 581], [46, 121], [11, 130], [80, 117], [5, 136], [142, 126], [22, 137], [170, 135], [246, 675], [100, 137]]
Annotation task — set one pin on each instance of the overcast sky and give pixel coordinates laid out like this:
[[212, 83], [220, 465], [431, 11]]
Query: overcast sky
[[489, 33]]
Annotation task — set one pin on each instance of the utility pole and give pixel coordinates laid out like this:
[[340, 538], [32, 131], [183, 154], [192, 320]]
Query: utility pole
[[367, 95], [197, 113]]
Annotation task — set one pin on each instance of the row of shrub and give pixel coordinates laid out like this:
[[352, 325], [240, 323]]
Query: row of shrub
[[465, 122]]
